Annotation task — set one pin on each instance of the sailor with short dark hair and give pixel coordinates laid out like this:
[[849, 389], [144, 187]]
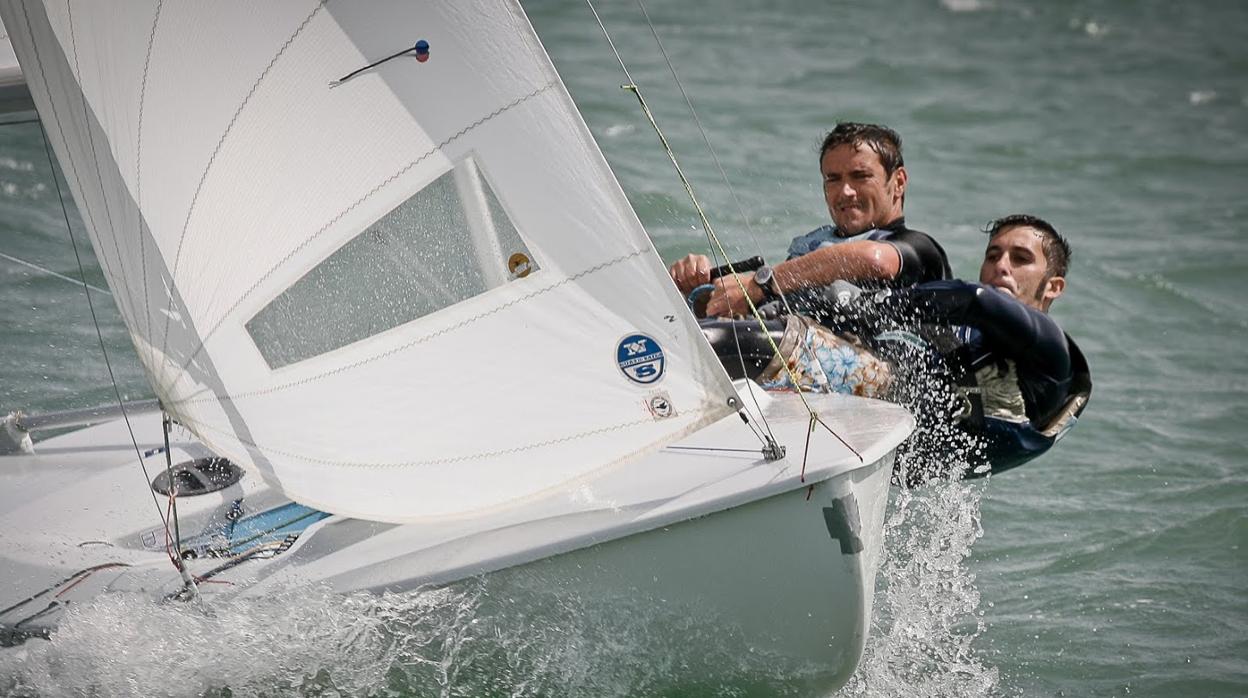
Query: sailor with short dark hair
[[1023, 380], [1018, 380], [864, 186]]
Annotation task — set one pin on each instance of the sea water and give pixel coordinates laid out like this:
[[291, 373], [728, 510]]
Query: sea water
[[1114, 565]]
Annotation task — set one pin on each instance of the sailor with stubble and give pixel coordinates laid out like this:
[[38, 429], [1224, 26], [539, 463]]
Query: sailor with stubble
[[1021, 380], [864, 184]]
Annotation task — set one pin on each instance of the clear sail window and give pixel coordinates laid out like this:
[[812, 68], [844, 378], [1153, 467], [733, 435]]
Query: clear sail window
[[449, 242]]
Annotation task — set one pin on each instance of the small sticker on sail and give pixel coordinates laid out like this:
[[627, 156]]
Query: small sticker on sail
[[519, 266], [660, 406], [640, 358]]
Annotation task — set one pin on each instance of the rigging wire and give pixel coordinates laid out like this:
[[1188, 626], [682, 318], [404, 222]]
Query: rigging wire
[[710, 448], [47, 145], [745, 419], [717, 250], [49, 272], [706, 225], [59, 587], [189, 587], [727, 183], [736, 200], [802, 345]]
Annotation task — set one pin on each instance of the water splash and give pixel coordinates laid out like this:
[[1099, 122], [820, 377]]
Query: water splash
[[523, 632], [126, 645], [513, 633], [927, 613]]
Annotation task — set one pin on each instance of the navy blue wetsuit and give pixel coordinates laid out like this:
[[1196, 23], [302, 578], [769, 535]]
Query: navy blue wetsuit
[[1017, 382], [1022, 379]]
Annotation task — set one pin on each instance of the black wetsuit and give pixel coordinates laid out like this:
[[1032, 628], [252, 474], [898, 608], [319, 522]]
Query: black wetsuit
[[922, 258], [1017, 380], [1023, 381]]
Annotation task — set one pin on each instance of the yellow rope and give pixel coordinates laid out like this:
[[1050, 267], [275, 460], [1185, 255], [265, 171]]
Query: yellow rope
[[710, 232]]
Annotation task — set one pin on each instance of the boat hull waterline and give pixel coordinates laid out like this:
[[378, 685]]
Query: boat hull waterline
[[781, 563]]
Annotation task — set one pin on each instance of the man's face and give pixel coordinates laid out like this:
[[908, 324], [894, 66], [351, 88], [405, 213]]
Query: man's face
[[1015, 263], [859, 195]]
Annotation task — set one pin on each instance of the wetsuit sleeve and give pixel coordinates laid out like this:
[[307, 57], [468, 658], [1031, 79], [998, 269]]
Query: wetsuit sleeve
[[922, 258], [1019, 332]]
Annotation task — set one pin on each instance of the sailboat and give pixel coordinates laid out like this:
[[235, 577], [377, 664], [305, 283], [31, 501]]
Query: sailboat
[[404, 329]]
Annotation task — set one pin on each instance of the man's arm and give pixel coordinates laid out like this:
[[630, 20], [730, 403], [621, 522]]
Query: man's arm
[[1018, 332], [857, 260], [852, 261]]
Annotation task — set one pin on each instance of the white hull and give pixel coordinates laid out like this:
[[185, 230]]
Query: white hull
[[767, 576], [782, 565]]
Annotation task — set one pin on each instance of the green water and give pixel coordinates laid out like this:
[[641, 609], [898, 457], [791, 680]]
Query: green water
[[1116, 564]]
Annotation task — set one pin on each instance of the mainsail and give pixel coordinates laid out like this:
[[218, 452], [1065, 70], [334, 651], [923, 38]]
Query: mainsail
[[416, 293]]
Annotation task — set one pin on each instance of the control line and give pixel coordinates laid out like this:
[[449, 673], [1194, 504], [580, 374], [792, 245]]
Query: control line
[[49, 272]]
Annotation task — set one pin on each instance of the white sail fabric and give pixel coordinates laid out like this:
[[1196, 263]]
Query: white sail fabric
[[329, 282]]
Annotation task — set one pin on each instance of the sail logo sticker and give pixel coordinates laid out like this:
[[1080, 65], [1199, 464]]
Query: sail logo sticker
[[640, 358], [660, 406]]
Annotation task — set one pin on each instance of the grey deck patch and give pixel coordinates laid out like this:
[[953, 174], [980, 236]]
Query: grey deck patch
[[843, 524]]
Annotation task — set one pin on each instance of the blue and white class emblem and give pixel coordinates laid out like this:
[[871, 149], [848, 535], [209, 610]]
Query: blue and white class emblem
[[640, 358]]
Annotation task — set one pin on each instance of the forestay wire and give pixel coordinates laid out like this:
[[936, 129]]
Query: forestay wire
[[803, 346], [716, 253], [716, 246], [177, 563], [736, 200]]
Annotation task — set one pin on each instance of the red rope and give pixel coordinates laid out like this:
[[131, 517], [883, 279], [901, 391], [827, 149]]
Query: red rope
[[815, 418], [177, 562], [88, 573], [806, 451]]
